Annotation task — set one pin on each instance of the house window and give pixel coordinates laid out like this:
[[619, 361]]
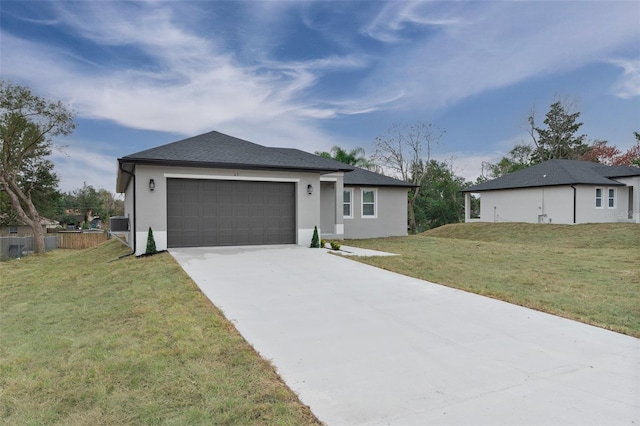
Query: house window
[[369, 200], [611, 199], [598, 198], [347, 203], [13, 229]]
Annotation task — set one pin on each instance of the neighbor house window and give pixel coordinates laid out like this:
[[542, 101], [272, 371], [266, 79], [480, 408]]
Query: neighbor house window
[[369, 200], [598, 198], [13, 229], [347, 203], [611, 199]]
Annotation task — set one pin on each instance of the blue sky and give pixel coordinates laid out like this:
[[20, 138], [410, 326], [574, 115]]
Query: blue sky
[[311, 75]]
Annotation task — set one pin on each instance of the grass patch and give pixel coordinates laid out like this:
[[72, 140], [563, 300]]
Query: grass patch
[[85, 341], [589, 273]]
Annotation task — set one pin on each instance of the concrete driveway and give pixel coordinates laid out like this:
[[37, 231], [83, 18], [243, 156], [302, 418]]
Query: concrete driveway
[[362, 345]]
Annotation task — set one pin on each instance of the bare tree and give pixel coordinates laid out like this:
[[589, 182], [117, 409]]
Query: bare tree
[[405, 151]]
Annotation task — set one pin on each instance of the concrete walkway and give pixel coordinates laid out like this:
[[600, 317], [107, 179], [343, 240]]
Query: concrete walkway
[[362, 345]]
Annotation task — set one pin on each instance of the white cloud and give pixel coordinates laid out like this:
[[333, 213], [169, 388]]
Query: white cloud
[[195, 80], [77, 165], [394, 17], [628, 86], [492, 45]]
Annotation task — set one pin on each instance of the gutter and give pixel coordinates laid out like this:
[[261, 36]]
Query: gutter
[[134, 207], [574, 202]]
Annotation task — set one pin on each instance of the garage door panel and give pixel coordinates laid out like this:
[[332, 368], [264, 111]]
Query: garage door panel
[[219, 213]]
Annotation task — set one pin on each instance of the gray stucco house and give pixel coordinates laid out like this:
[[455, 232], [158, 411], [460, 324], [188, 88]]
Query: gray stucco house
[[218, 190], [560, 191]]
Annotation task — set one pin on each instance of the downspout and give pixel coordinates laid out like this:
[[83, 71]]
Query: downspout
[[574, 202], [134, 208]]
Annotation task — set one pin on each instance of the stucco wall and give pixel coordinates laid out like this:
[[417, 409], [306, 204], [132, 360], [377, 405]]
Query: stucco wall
[[532, 205], [151, 208], [555, 204], [327, 208], [391, 217], [129, 211]]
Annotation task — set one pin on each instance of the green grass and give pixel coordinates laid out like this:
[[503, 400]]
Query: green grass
[[85, 341], [589, 273]]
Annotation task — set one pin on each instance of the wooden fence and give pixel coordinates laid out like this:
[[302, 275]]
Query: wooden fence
[[80, 240]]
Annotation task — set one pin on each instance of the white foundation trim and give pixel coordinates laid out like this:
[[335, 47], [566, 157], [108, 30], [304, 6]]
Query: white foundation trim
[[304, 237]]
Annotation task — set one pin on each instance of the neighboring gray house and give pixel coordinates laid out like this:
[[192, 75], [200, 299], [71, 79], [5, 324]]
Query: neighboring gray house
[[560, 191], [20, 229], [217, 190]]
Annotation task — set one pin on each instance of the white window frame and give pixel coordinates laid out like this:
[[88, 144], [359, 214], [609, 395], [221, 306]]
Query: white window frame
[[375, 203], [609, 198], [351, 204], [601, 198]]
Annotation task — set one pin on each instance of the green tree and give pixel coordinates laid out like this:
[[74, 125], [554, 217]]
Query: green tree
[[440, 201], [151, 243], [315, 239], [27, 125], [406, 152], [355, 157], [518, 158], [559, 139], [90, 203]]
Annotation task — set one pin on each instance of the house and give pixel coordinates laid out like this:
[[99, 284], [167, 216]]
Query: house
[[218, 190], [560, 191], [18, 228]]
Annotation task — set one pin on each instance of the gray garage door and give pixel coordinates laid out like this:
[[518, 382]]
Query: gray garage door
[[225, 213]]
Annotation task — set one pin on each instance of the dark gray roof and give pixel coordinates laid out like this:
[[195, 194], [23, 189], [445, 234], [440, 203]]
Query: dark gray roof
[[559, 172], [362, 177], [215, 149]]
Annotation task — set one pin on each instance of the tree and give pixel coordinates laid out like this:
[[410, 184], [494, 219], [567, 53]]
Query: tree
[[406, 151], [84, 204], [151, 243], [601, 152], [27, 124], [315, 239], [355, 157], [558, 139], [518, 158], [440, 201]]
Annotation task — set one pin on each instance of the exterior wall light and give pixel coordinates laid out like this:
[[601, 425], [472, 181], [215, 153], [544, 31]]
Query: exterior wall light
[[309, 189], [152, 185]]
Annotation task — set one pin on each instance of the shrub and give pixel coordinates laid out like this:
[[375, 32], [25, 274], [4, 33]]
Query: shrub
[[335, 245], [323, 243], [151, 243], [315, 240]]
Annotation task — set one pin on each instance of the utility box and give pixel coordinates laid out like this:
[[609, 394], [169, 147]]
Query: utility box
[[119, 224]]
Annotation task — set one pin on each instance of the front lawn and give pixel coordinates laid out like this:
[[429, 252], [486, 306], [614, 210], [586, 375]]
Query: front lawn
[[86, 340], [590, 273]]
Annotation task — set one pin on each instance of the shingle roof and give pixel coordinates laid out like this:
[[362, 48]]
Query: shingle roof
[[215, 149], [362, 177], [559, 172]]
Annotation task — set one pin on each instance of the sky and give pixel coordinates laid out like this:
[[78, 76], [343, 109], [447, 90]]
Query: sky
[[314, 74]]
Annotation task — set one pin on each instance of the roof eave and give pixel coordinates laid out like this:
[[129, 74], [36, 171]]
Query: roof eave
[[612, 183], [209, 164]]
